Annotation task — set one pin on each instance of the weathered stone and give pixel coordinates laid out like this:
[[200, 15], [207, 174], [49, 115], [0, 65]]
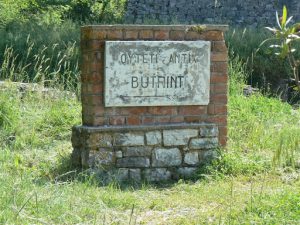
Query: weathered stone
[[137, 151], [163, 157], [135, 162], [178, 137], [135, 174], [153, 138], [204, 143], [186, 172], [105, 140], [237, 13], [127, 86], [100, 140], [122, 174], [103, 157], [209, 131], [158, 174], [119, 154], [208, 155], [191, 158], [129, 139]]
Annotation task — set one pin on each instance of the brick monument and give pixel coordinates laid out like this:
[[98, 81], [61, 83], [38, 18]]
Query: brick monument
[[154, 100]]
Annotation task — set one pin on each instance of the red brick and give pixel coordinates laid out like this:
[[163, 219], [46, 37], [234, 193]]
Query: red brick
[[98, 56], [89, 88], [100, 121], [99, 34], [131, 34], [133, 120], [85, 57], [194, 119], [223, 130], [177, 35], [162, 110], [92, 99], [133, 110], [97, 99], [112, 111], [162, 119], [148, 120], [219, 119], [117, 120], [84, 89], [93, 110], [99, 110], [114, 34], [219, 67], [97, 88], [211, 109], [95, 67], [95, 45], [161, 35], [177, 119], [221, 109], [219, 46], [86, 34], [220, 88], [192, 110], [218, 98], [223, 140], [192, 35], [219, 57], [213, 35], [94, 77], [146, 34], [219, 79]]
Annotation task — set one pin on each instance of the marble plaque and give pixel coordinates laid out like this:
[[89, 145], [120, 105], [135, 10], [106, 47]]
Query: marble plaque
[[157, 73]]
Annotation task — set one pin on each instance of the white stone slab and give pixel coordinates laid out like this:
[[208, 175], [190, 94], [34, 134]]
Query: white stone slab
[[157, 73]]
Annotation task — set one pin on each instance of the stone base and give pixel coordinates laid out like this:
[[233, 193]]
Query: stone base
[[151, 152]]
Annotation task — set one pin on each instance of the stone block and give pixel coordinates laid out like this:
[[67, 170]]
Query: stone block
[[153, 138], [99, 140], [163, 157], [135, 175], [105, 140], [209, 131], [101, 158], [186, 172], [191, 158], [156, 175], [204, 143], [137, 151], [179, 136], [119, 154], [134, 162], [129, 139], [208, 155], [122, 174]]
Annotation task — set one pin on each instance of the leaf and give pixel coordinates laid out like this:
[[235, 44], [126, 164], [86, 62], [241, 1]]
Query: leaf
[[275, 46], [271, 29], [288, 20], [284, 17], [277, 19], [294, 36]]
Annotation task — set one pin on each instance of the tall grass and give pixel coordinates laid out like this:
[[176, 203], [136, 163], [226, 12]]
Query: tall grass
[[263, 131], [263, 66], [51, 66]]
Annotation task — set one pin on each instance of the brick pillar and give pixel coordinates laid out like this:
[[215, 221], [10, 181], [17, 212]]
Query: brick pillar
[[95, 114]]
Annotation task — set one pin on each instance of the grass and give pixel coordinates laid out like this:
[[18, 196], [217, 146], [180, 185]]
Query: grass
[[255, 181]]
